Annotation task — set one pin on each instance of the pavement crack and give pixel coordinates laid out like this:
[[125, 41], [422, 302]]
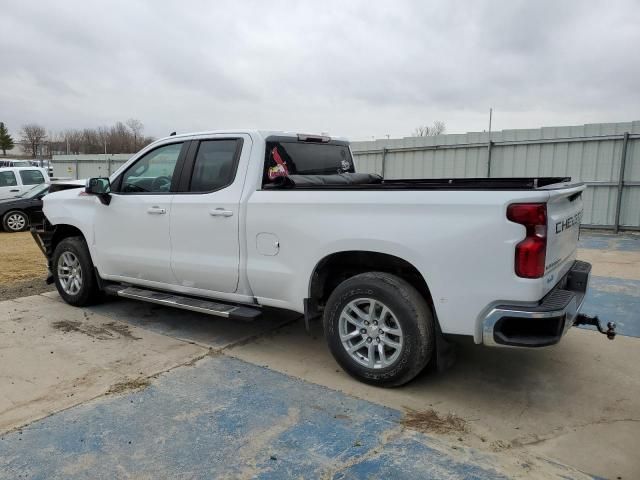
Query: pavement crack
[[538, 439]]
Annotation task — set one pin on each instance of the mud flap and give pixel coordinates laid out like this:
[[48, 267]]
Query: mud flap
[[445, 351]]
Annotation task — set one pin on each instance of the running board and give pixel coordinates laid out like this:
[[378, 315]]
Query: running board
[[234, 312]]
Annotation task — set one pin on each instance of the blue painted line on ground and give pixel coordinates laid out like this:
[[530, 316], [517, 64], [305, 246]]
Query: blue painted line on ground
[[615, 300], [610, 241], [227, 418]]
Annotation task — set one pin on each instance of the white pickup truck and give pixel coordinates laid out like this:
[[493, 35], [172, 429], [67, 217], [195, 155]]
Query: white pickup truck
[[228, 222]]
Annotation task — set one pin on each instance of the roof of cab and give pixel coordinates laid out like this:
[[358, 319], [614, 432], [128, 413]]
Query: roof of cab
[[22, 168], [261, 133]]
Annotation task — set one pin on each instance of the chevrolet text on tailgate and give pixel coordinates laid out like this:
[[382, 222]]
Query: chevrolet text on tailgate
[[228, 222]]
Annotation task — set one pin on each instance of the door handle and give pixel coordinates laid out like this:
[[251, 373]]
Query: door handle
[[156, 211], [14, 190], [220, 212]]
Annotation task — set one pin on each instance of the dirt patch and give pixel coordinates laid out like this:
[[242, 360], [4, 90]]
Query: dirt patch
[[106, 331], [129, 385], [430, 422], [24, 288], [20, 258]]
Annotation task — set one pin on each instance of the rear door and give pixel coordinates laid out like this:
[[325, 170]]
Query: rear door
[[564, 213], [9, 186], [205, 219]]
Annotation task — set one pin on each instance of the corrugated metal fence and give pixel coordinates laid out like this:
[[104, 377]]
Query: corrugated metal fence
[[605, 156], [86, 166]]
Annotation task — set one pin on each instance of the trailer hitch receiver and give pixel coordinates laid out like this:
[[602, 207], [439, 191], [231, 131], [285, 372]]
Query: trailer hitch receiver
[[583, 319]]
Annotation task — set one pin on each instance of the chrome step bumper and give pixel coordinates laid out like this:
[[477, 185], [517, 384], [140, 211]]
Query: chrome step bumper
[[542, 324]]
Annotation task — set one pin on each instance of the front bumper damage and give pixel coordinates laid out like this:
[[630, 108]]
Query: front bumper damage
[[43, 236], [543, 324]]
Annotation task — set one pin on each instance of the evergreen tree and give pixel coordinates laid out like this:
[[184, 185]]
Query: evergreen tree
[[6, 142]]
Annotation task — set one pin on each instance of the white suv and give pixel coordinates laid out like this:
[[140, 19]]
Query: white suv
[[15, 180]]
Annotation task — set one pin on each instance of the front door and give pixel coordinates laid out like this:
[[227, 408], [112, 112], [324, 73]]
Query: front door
[[204, 220], [132, 239]]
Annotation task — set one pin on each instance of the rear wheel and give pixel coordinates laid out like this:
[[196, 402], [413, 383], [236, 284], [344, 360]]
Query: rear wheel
[[15, 221], [73, 272], [379, 328]]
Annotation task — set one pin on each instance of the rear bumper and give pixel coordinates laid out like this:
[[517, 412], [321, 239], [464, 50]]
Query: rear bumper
[[542, 324]]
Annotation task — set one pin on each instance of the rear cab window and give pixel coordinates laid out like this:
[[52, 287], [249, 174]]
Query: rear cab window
[[31, 177], [290, 156]]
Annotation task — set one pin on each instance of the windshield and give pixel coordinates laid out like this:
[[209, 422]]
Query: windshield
[[34, 192]]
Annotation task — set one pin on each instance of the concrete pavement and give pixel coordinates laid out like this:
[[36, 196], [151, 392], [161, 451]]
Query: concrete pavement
[[199, 396], [224, 418]]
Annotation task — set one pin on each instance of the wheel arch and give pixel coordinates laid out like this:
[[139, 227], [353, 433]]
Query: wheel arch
[[62, 231], [336, 267]]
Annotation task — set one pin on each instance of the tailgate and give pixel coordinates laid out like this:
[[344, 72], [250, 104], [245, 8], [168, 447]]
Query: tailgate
[[564, 213]]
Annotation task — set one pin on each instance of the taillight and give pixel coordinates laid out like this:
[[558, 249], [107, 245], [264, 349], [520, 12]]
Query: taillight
[[530, 252]]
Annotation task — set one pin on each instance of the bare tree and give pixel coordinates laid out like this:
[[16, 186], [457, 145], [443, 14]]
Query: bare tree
[[136, 127], [32, 136], [438, 128], [117, 139]]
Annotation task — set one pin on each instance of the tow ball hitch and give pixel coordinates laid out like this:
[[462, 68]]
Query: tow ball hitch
[[583, 319]]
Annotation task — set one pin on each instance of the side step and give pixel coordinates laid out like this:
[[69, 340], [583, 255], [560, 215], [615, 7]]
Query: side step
[[234, 312]]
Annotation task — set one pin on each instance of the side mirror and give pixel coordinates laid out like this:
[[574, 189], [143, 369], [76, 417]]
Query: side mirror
[[100, 186]]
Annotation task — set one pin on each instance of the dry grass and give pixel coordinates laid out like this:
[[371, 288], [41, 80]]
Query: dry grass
[[430, 422], [20, 258]]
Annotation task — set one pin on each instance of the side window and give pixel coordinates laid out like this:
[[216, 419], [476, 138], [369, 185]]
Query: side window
[[31, 177], [8, 179], [152, 173], [215, 165]]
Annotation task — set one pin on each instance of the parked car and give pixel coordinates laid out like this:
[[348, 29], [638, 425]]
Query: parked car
[[45, 164], [16, 180], [19, 212], [226, 223], [15, 163]]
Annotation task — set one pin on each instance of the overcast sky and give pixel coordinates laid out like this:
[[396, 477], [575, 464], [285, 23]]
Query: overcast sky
[[352, 68]]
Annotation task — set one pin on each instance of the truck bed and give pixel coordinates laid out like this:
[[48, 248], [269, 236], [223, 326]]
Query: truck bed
[[362, 181]]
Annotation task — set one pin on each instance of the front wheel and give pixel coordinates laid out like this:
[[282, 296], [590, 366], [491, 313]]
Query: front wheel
[[379, 329], [73, 272], [15, 221]]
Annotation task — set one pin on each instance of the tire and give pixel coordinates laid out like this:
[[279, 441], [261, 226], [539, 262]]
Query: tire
[[80, 287], [407, 309], [15, 221]]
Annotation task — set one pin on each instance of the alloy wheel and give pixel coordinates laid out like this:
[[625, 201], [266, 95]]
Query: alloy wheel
[[16, 222], [370, 333], [70, 273]]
